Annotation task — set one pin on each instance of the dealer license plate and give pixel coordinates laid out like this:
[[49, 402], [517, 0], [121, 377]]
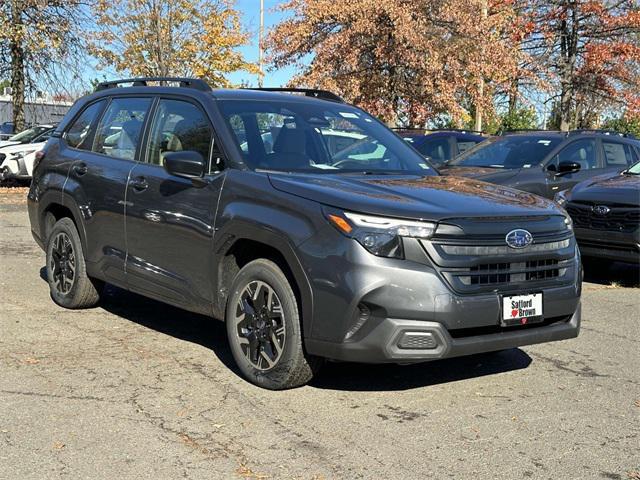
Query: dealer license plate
[[522, 309]]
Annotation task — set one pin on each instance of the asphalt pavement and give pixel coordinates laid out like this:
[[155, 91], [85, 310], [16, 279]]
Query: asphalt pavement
[[137, 389]]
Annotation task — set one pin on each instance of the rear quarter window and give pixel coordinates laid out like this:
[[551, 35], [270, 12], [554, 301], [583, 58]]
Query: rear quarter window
[[80, 134]]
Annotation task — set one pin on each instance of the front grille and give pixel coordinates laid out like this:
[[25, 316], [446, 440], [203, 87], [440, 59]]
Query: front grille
[[480, 261], [498, 273], [620, 218]]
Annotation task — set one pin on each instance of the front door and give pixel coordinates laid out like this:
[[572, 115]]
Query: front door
[[169, 221]]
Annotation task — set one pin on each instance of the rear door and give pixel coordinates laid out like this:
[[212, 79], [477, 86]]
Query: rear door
[[97, 180], [169, 221]]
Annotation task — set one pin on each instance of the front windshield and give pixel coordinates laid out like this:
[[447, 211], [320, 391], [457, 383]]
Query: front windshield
[[320, 137], [508, 152], [26, 136], [634, 169]]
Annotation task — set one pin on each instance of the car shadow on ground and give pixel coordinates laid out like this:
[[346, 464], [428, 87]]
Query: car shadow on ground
[[211, 334], [606, 272]]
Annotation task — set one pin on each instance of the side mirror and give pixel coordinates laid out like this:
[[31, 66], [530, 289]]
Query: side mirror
[[568, 167], [185, 164]]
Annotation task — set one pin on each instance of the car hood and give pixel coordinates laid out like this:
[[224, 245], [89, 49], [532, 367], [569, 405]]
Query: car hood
[[492, 175], [6, 143], [22, 147], [412, 196], [609, 188]]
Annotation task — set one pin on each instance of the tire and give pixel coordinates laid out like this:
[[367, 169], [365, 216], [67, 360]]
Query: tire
[[263, 328], [69, 285]]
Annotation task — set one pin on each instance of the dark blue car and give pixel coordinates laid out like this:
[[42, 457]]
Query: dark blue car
[[441, 145]]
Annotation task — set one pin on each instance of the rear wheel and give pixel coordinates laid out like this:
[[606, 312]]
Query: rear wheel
[[69, 284], [263, 327]]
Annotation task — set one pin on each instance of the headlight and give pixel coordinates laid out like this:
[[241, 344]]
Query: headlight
[[19, 155], [561, 198], [381, 236], [568, 222]]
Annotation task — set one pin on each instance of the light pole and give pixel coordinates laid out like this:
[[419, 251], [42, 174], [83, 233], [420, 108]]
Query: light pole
[[260, 34]]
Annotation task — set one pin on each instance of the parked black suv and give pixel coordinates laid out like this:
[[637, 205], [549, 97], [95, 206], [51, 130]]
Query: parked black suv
[[606, 215], [545, 163], [440, 146], [309, 249]]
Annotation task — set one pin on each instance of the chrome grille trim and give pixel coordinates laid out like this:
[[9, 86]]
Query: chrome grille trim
[[503, 250]]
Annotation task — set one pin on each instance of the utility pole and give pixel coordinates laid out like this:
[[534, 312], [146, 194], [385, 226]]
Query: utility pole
[[260, 46], [478, 117]]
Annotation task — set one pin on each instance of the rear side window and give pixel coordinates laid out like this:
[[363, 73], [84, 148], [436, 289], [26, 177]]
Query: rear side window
[[80, 133], [437, 149], [178, 126], [618, 154], [120, 129]]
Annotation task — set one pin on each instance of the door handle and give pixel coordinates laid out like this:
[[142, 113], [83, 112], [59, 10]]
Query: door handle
[[80, 169], [139, 184]]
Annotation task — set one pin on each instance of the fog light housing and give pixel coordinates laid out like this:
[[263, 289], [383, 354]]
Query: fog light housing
[[417, 341]]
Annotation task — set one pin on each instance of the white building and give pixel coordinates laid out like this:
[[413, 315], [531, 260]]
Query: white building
[[40, 110]]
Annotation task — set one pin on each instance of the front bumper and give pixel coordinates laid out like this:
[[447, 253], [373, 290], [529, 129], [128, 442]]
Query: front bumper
[[376, 310], [14, 168], [610, 245], [387, 343]]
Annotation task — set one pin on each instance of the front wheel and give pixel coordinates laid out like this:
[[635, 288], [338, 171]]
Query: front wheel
[[263, 327], [69, 284]]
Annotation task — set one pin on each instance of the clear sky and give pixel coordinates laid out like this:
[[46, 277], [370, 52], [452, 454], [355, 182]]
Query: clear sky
[[250, 10]]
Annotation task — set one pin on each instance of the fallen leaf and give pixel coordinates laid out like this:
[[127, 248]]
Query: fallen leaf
[[637, 403], [58, 445]]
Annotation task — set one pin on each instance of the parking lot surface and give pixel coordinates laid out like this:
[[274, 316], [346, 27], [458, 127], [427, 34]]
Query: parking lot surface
[[137, 389]]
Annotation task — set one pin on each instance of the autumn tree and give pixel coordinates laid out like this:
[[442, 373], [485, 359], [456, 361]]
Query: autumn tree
[[40, 43], [406, 61], [589, 50], [169, 37]]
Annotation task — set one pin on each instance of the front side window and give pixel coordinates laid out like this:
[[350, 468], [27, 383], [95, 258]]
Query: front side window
[[464, 145], [582, 152], [509, 152], [80, 133], [120, 129], [618, 154], [178, 126], [317, 137]]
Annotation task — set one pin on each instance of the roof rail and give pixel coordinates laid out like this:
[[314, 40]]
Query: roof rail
[[196, 83], [307, 92], [431, 130], [526, 130], [601, 131]]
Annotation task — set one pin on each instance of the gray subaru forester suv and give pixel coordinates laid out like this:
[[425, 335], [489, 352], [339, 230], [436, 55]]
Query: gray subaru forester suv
[[308, 226]]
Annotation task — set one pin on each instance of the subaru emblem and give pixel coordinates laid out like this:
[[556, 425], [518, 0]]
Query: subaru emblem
[[519, 238], [601, 210]]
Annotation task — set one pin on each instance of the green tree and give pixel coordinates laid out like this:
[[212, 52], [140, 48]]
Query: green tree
[[623, 124], [170, 38]]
